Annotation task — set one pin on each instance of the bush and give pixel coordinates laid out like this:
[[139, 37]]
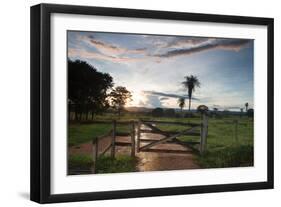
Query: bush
[[157, 112], [170, 112], [189, 115], [250, 113]]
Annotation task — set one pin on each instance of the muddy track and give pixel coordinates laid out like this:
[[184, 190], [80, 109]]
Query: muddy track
[[148, 161], [156, 161]]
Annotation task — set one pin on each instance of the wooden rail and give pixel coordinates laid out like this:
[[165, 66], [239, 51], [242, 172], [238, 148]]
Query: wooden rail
[[108, 122], [166, 139], [112, 134], [170, 136], [168, 132], [168, 122], [135, 131]]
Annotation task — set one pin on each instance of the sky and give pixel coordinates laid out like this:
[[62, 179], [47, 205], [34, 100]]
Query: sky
[[153, 67]]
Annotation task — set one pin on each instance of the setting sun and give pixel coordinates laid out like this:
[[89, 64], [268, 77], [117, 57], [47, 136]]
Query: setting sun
[[138, 98]]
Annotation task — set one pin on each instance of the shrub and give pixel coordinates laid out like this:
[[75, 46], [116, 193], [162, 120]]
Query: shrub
[[170, 112], [157, 112]]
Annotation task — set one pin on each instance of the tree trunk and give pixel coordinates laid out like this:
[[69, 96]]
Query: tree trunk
[[69, 112], [189, 105], [87, 112], [76, 112], [80, 115], [119, 112]]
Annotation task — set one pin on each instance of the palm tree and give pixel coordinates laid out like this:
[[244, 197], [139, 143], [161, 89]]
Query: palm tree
[[190, 83], [241, 110], [181, 102], [246, 105], [215, 111]]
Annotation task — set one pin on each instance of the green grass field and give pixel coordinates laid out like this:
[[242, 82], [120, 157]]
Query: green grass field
[[223, 149], [81, 133]]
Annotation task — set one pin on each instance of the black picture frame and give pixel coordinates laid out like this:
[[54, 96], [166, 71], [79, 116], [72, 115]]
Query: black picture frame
[[41, 95]]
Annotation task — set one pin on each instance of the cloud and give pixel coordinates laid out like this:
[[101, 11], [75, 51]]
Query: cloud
[[164, 98], [232, 107], [153, 101], [227, 107], [110, 49], [225, 44], [82, 53], [168, 95], [155, 48], [216, 106], [187, 41]]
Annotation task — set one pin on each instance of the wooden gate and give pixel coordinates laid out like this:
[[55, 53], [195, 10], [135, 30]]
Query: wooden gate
[[112, 142], [193, 129]]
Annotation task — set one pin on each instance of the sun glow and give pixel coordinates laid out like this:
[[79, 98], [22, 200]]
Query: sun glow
[[138, 99]]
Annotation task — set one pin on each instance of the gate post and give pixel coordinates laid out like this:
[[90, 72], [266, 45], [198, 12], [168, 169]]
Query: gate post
[[113, 139], [95, 144], [133, 139], [204, 132], [138, 136], [235, 130]]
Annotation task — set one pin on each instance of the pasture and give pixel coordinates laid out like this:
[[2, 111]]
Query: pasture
[[228, 144]]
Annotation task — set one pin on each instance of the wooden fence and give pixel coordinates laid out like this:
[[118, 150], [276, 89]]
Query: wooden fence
[[110, 142], [235, 128], [107, 143], [171, 136]]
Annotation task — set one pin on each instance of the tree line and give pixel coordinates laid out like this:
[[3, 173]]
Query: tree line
[[91, 92]]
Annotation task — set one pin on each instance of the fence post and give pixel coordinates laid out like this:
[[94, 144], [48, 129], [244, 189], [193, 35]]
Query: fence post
[[95, 144], [133, 139], [113, 139], [236, 130], [138, 136], [204, 132]]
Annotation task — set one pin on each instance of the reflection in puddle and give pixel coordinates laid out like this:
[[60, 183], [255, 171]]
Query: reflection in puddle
[[152, 161]]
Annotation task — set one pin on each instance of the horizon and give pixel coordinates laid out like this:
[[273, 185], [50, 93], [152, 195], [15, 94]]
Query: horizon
[[186, 109], [152, 67]]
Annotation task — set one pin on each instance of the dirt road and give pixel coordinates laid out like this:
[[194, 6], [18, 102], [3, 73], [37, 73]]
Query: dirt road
[[149, 161], [156, 161]]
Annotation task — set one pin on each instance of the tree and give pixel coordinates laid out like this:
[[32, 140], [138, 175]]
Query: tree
[[226, 112], [250, 113], [87, 89], [246, 105], [119, 97], [241, 110], [181, 102], [157, 112], [190, 83], [215, 112], [202, 109], [170, 112]]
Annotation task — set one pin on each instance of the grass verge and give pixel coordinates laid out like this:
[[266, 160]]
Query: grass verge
[[81, 133], [232, 156], [122, 163], [80, 161]]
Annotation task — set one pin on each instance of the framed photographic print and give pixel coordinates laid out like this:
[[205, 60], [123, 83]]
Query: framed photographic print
[[133, 103]]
